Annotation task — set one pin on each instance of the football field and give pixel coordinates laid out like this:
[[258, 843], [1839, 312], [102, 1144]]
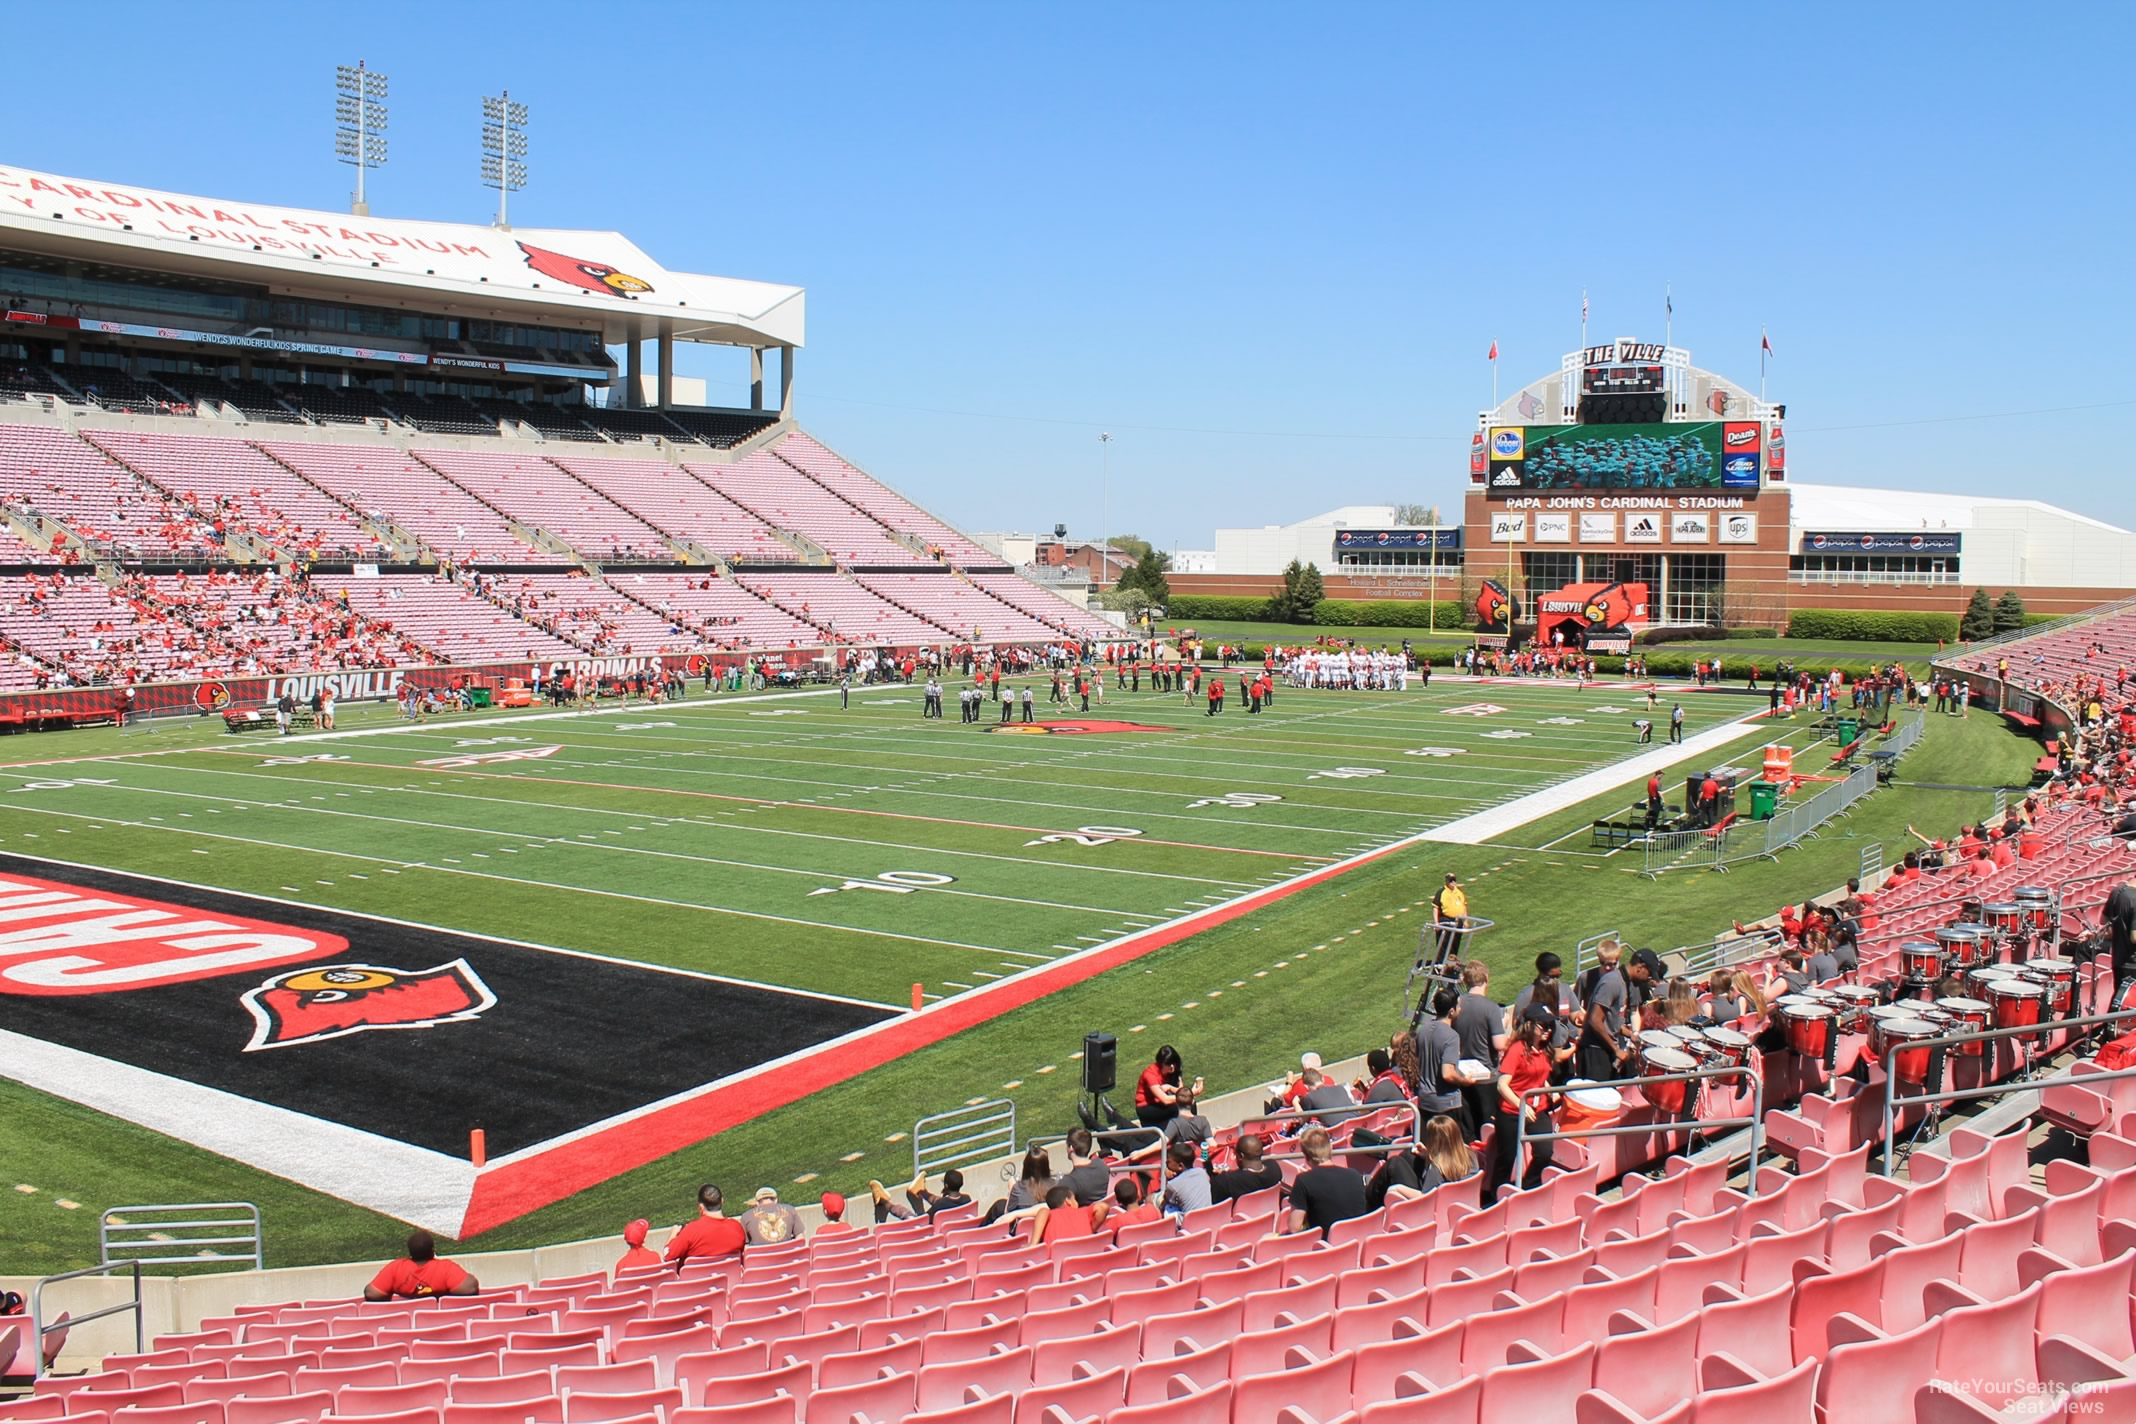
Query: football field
[[458, 971], [783, 840]]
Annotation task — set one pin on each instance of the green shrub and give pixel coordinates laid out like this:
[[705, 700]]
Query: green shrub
[[1871, 625], [1188, 608], [1687, 633], [1390, 613]]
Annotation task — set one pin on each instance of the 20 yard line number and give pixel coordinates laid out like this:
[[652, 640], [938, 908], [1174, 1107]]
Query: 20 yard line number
[[1086, 836]]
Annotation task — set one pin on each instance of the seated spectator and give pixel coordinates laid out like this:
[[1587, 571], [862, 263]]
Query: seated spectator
[[1086, 1176], [920, 1201], [834, 1222], [1060, 1218], [769, 1221], [1325, 1192], [1157, 1090], [1253, 1173], [712, 1234], [1127, 1208], [422, 1273], [638, 1253], [1187, 1187], [1381, 1083], [1033, 1181], [1440, 1158], [1190, 1126], [1329, 1103]]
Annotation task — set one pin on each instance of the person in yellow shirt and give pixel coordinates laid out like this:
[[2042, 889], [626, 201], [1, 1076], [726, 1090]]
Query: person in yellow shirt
[[1450, 909]]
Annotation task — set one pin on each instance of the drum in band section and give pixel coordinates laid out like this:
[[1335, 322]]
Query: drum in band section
[[1732, 1047], [1978, 980], [1693, 1041], [1810, 1028], [1921, 961], [2017, 1002], [1890, 1038], [2038, 904], [1854, 1001], [2005, 917], [1964, 945], [2060, 977], [1657, 1040], [1666, 1097], [1967, 1016]]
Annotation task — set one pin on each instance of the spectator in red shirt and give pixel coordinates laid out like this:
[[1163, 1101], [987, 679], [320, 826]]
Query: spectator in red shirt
[[1982, 865], [639, 1253], [1524, 1068], [1157, 1090], [423, 1273], [834, 1222], [1709, 801], [712, 1234], [1127, 1208]]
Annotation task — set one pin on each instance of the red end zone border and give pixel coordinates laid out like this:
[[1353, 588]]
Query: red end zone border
[[512, 1187]]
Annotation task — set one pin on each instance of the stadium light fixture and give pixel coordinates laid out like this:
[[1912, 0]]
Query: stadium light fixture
[[359, 124], [504, 150]]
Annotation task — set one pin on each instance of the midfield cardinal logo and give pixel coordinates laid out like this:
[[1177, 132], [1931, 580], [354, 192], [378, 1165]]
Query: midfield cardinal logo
[[593, 276], [314, 1004], [1076, 727]]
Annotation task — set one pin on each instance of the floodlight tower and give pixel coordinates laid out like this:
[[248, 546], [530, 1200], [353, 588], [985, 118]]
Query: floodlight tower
[[504, 149], [360, 124]]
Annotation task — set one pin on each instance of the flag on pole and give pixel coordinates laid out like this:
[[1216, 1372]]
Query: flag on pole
[[1583, 308], [1765, 343], [1668, 304], [1494, 352]]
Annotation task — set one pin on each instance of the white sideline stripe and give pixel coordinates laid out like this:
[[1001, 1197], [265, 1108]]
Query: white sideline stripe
[[1511, 815], [414, 1184]]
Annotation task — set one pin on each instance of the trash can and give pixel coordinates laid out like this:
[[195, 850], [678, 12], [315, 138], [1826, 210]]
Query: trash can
[[1849, 729], [1764, 798], [478, 697]]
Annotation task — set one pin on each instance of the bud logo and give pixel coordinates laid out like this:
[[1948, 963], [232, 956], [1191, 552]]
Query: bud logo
[[1741, 465], [1509, 442], [55, 939], [313, 1005]]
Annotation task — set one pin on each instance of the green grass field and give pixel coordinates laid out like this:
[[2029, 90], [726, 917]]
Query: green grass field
[[705, 836]]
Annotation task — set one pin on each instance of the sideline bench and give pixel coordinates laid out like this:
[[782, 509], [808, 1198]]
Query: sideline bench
[[1845, 755]]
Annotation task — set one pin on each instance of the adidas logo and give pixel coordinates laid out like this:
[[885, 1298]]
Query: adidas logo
[[1506, 478]]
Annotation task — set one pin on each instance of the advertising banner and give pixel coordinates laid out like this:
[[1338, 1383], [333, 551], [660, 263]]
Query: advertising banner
[[1740, 471], [1448, 539], [1660, 458], [1739, 529], [1598, 529], [1479, 462], [1741, 437], [1509, 528], [1643, 528], [1553, 528], [1858, 542], [1690, 528]]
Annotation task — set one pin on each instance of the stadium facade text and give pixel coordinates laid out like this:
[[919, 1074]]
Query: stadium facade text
[[1626, 501]]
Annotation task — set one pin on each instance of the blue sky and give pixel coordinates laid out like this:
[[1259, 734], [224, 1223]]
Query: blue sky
[[1267, 247]]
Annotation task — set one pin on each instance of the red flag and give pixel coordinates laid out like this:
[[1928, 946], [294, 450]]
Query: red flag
[[1765, 343], [1494, 352]]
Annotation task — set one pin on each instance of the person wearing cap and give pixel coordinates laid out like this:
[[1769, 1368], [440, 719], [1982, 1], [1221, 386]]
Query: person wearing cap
[[638, 1254], [769, 1221], [1438, 1064], [834, 1222], [1605, 1047], [1524, 1069], [1449, 909]]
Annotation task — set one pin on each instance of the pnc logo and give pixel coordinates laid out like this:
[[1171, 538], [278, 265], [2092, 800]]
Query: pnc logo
[[315, 1004]]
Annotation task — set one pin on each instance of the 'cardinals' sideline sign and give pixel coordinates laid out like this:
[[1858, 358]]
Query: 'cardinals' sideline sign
[[352, 1054]]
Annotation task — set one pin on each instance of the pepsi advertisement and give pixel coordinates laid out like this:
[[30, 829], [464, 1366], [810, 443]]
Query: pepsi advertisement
[[1860, 542], [1442, 539], [1668, 458]]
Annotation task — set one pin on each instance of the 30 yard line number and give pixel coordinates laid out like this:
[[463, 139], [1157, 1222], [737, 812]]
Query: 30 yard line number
[[891, 882]]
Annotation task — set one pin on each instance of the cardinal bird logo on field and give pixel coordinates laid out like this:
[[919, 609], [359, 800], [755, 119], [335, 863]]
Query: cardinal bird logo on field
[[316, 1004], [1081, 726], [593, 276]]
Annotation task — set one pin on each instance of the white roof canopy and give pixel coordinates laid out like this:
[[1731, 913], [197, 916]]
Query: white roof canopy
[[579, 278]]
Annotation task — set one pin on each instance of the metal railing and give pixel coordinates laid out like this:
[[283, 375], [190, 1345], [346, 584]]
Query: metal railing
[[1588, 950], [1317, 1117], [125, 1230], [1440, 945], [1663, 1126], [1872, 864], [1936, 1047], [38, 1329], [977, 1132], [1725, 951]]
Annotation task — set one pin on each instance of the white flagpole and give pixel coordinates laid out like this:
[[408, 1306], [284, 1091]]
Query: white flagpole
[[1583, 318], [1494, 377], [1668, 314], [1765, 348]]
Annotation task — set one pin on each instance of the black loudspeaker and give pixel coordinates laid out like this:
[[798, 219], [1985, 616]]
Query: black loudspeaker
[[1100, 1053]]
